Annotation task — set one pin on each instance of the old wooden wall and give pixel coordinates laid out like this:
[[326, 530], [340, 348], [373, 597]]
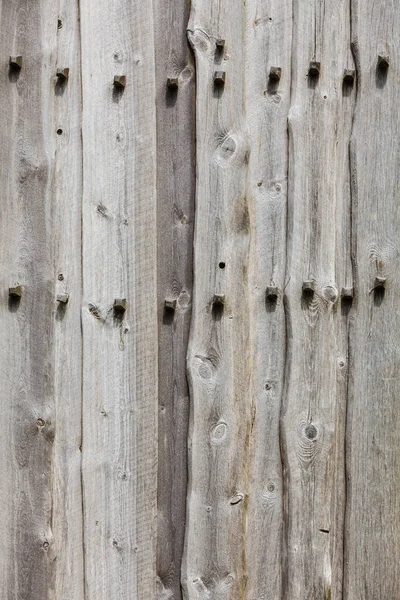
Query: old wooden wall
[[234, 433]]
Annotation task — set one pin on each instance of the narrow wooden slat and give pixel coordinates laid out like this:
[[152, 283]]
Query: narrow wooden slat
[[175, 219], [66, 228], [313, 410], [28, 547], [119, 263], [372, 539], [218, 358], [268, 45]]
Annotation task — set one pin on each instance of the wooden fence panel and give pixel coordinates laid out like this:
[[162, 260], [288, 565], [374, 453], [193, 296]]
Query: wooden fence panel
[[314, 395], [372, 541], [119, 264], [175, 110], [218, 358], [166, 208], [41, 542], [268, 46], [66, 246]]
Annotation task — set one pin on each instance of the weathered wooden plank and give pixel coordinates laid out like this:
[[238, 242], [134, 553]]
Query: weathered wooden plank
[[268, 45], [315, 393], [28, 405], [119, 263], [372, 541], [66, 228], [175, 218], [214, 561]]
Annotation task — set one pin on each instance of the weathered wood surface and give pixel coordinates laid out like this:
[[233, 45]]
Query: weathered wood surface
[[268, 44], [372, 537], [246, 449], [314, 395], [175, 221], [214, 562], [119, 262]]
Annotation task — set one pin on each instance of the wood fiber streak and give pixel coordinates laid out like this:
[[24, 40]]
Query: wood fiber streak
[[218, 358], [175, 110], [372, 535], [119, 262], [66, 224], [314, 404], [268, 44]]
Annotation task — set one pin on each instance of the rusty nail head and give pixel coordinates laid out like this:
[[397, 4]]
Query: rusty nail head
[[120, 81], [315, 68], [308, 287], [63, 298], [383, 61], [15, 292], [120, 304], [220, 44], [63, 74], [380, 281], [219, 77], [272, 293], [347, 293], [16, 62], [170, 305], [275, 73], [219, 299], [172, 82], [349, 76]]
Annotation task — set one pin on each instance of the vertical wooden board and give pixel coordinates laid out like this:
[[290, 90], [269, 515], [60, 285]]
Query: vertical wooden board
[[315, 394], [66, 228], [372, 539], [268, 46], [119, 262], [27, 148], [215, 554], [175, 219]]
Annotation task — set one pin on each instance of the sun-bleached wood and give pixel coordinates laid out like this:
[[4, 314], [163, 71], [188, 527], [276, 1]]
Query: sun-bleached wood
[[372, 535], [175, 221], [214, 561], [66, 245], [268, 43], [119, 447], [314, 399], [248, 150]]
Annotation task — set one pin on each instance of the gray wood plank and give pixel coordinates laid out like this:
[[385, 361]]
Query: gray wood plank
[[66, 218], [312, 433], [119, 262], [268, 45], [218, 357], [175, 220], [28, 545], [372, 451]]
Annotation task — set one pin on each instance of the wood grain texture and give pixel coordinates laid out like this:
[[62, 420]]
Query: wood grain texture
[[372, 540], [268, 44], [28, 547], [314, 398], [175, 112], [119, 262], [66, 228], [234, 446], [218, 357]]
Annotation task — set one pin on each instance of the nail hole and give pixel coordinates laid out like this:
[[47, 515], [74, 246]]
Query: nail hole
[[59, 131], [61, 277], [221, 265]]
